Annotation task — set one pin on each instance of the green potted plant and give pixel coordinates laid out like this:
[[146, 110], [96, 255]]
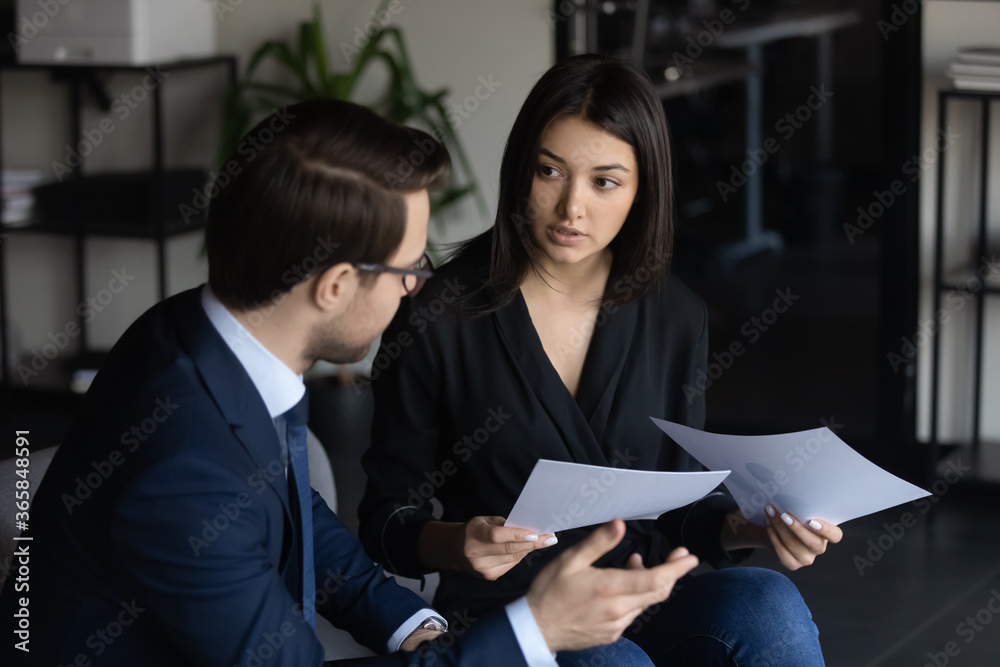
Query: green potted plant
[[403, 101]]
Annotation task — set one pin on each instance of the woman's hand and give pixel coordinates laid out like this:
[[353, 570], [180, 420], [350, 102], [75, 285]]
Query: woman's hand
[[489, 549], [796, 544], [483, 546]]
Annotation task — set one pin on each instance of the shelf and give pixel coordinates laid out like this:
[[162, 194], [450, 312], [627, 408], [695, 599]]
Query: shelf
[[54, 376], [961, 278], [190, 63], [968, 92], [147, 230], [984, 461]]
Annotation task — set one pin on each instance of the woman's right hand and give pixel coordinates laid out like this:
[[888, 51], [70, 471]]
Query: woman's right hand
[[489, 549], [482, 546]]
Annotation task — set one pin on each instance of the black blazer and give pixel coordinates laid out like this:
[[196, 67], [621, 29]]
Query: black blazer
[[163, 532], [465, 406]]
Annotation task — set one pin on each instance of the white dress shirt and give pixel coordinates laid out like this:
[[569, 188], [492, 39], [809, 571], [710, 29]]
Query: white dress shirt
[[281, 388]]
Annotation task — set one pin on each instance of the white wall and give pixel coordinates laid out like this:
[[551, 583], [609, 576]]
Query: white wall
[[948, 26], [452, 43]]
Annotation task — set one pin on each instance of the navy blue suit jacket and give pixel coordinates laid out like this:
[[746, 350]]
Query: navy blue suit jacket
[[162, 530]]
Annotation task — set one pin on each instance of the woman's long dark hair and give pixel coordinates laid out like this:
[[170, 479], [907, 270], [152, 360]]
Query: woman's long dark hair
[[618, 98]]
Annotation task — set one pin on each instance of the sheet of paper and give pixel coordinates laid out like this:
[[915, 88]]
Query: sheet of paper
[[560, 495], [812, 474]]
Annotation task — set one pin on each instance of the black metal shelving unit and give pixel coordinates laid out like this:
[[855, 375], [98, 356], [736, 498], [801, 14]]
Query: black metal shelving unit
[[985, 468], [155, 226]]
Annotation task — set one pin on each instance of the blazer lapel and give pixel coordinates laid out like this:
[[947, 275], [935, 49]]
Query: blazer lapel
[[232, 390], [602, 369], [525, 347]]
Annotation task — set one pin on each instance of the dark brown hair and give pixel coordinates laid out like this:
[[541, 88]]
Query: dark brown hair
[[313, 185], [617, 97]]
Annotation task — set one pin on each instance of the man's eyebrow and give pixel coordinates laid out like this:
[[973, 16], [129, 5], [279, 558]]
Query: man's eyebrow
[[604, 167]]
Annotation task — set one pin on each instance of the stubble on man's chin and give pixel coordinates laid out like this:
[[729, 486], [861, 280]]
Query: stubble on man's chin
[[327, 346]]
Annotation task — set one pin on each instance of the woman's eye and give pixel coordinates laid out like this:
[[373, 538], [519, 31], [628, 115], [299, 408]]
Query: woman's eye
[[546, 170], [605, 183]]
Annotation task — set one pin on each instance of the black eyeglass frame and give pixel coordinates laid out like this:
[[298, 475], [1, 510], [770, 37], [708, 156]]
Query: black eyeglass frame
[[420, 274]]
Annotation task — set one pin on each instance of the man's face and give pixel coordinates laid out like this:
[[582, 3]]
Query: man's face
[[349, 338]]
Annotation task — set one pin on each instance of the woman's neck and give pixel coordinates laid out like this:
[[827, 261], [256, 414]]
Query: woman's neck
[[580, 283]]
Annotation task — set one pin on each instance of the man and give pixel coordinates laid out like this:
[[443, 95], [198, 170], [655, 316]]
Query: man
[[199, 541]]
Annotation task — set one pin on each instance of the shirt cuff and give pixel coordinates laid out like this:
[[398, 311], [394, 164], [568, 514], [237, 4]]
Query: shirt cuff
[[409, 625], [529, 637]]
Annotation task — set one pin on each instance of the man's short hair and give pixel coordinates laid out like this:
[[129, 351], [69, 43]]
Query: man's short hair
[[313, 185]]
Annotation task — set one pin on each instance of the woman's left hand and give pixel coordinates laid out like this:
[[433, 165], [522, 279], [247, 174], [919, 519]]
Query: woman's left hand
[[797, 544]]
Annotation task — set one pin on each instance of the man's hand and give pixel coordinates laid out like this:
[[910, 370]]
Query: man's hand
[[417, 637], [578, 606]]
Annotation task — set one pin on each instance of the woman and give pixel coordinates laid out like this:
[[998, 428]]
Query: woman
[[556, 334]]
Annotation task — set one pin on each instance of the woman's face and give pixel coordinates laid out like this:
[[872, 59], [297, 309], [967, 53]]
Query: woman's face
[[584, 184]]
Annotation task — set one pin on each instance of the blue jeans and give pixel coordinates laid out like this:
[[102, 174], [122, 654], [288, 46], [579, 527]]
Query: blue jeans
[[740, 617], [623, 653]]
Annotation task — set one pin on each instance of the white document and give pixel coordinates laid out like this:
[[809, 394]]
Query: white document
[[560, 495], [811, 474]]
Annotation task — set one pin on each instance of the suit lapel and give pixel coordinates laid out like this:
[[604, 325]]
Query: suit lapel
[[232, 390]]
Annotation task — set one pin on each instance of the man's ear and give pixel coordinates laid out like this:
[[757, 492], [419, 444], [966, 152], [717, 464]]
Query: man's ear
[[335, 288]]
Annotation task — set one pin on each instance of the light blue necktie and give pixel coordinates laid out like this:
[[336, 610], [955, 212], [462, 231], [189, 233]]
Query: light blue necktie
[[296, 420]]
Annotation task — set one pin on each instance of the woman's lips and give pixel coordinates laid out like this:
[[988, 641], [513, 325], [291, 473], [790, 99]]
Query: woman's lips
[[565, 235]]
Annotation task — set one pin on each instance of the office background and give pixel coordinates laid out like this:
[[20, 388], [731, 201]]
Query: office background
[[864, 292]]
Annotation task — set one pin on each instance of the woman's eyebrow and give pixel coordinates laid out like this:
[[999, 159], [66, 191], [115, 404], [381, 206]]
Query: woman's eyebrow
[[546, 151], [603, 167]]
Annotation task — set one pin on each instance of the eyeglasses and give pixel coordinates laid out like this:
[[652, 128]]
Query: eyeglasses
[[413, 278]]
